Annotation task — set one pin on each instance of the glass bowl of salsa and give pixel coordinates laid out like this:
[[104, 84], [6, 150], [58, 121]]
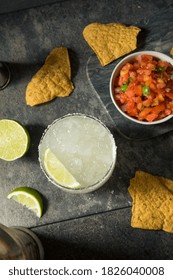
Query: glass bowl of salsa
[[141, 87]]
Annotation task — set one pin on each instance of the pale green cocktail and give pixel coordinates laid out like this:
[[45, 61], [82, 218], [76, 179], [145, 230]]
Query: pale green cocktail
[[79, 146]]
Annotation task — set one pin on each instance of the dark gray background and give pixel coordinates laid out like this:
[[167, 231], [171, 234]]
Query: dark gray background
[[95, 225]]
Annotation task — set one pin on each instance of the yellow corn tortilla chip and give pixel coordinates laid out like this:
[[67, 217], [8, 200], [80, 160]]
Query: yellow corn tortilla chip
[[111, 41], [52, 80], [60, 58], [152, 197], [171, 52]]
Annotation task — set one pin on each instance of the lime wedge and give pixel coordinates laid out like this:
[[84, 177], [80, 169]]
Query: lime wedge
[[14, 140], [58, 172], [28, 197]]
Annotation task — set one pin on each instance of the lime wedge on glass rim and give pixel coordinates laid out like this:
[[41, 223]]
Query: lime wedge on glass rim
[[57, 171], [14, 140], [28, 197]]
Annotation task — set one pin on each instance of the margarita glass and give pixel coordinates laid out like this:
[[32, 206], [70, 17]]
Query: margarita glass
[[84, 146]]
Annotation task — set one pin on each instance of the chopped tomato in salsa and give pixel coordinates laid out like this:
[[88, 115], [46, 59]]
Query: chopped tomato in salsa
[[144, 88]]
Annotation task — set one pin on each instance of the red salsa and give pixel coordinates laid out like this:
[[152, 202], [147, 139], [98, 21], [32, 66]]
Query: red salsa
[[144, 88]]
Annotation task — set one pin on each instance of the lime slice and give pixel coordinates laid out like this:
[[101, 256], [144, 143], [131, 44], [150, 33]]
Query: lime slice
[[58, 172], [14, 140], [28, 197]]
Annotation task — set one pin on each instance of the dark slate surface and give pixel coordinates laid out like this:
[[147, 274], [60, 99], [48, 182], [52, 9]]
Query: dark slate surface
[[8, 6], [105, 236], [26, 37]]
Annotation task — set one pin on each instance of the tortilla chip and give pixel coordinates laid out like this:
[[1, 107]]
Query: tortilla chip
[[171, 52], [60, 58], [52, 80], [152, 202], [111, 41]]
